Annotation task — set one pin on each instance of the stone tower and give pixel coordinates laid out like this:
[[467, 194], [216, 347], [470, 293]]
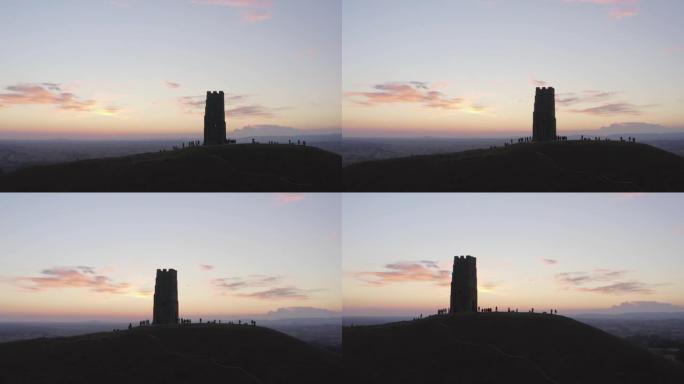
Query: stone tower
[[544, 126], [166, 297], [215, 119], [464, 285]]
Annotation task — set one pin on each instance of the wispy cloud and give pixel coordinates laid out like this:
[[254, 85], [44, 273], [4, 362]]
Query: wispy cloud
[[621, 13], [289, 198], [251, 111], [400, 272], [172, 85], [238, 107], [487, 287], [630, 196], [253, 11], [598, 103], [206, 267], [52, 94], [675, 49], [611, 109], [278, 293], [584, 97], [416, 92], [237, 283], [539, 83], [603, 281], [75, 277], [550, 261], [617, 9], [261, 287]]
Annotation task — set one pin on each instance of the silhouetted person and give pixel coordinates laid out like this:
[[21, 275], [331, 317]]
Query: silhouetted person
[[130, 326]]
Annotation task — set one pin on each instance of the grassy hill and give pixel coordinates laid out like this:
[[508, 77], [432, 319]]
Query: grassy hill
[[173, 354], [229, 168], [498, 348], [570, 166]]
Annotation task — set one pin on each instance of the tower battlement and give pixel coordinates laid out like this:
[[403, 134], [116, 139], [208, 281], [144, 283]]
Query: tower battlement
[[215, 119], [464, 285], [544, 116], [165, 309]]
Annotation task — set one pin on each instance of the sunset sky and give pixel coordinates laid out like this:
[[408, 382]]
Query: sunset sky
[[141, 68], [470, 67], [573, 252], [94, 257]]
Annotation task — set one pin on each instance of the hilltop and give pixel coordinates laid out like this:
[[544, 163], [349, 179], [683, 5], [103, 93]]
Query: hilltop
[[499, 348], [570, 166], [170, 354], [227, 168]]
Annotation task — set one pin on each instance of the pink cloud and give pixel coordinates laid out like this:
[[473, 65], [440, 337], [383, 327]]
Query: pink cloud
[[605, 2], [400, 272], [77, 277], [675, 49], [618, 9], [206, 267], [289, 198], [239, 108], [277, 293], [611, 109], [416, 92], [267, 288], [603, 281], [623, 13], [172, 85], [256, 16], [51, 94], [254, 11], [631, 196]]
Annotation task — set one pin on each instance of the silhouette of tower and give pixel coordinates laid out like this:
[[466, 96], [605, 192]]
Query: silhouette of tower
[[215, 119], [464, 285], [544, 125], [165, 297]]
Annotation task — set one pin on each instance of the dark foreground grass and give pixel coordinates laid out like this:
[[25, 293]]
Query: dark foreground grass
[[572, 166]]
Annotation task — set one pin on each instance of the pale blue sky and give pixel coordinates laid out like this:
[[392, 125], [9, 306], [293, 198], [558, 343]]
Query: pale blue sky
[[488, 54], [604, 249], [121, 53], [125, 238]]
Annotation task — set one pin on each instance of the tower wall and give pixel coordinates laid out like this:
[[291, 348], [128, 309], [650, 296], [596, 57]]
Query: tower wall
[[166, 297], [544, 118], [464, 285], [215, 119]]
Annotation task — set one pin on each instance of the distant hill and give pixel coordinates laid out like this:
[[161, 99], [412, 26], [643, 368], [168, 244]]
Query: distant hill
[[499, 348], [545, 167], [187, 354], [229, 168]]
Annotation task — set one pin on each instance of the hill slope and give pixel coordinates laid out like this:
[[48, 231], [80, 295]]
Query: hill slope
[[545, 167], [499, 348], [187, 354], [230, 168]]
